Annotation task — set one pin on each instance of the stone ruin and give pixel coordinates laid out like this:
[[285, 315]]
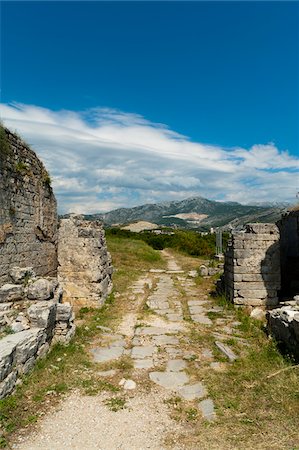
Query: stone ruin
[[37, 289], [85, 267], [261, 272]]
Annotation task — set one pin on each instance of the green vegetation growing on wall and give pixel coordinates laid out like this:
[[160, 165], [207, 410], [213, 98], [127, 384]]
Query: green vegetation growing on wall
[[4, 144]]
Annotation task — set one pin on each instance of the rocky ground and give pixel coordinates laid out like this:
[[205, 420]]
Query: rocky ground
[[158, 366]]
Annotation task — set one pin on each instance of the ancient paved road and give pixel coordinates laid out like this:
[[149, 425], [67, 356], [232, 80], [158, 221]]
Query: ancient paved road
[[153, 332]]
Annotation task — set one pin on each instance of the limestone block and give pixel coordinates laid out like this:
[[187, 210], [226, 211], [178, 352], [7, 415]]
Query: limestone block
[[28, 366], [19, 274], [11, 292], [7, 385], [64, 312], [203, 270], [42, 315], [41, 289]]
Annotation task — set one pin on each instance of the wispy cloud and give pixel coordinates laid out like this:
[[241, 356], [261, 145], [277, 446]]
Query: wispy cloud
[[103, 159]]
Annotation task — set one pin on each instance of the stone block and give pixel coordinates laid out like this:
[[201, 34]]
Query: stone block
[[41, 289], [42, 315], [8, 384], [64, 312], [11, 292], [20, 274]]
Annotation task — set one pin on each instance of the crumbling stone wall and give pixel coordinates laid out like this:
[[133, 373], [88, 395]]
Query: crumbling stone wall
[[85, 269], [252, 266], [289, 253], [28, 217]]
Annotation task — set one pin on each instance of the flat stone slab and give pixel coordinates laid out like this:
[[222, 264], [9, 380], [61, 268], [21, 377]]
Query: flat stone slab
[[227, 351], [173, 317], [157, 271], [192, 391], [197, 309], [175, 365], [163, 339], [141, 352], [197, 302], [203, 320], [150, 331], [107, 373], [173, 351], [106, 354], [207, 408], [143, 363], [169, 380]]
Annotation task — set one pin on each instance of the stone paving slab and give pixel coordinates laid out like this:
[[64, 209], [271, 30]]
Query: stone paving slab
[[105, 354], [148, 331], [143, 363], [174, 317], [197, 302], [141, 352], [163, 339], [193, 391], [227, 351], [203, 320], [207, 408], [198, 309], [176, 365], [169, 380]]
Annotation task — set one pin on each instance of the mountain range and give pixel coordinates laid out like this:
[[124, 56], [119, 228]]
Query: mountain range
[[193, 213]]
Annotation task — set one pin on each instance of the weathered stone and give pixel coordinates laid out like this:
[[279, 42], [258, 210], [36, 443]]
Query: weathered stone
[[192, 391], [20, 274], [7, 385], [169, 380], [204, 271], [42, 315], [64, 312], [226, 351], [41, 289], [106, 354], [11, 292], [175, 365], [143, 363], [207, 408], [141, 352], [85, 268]]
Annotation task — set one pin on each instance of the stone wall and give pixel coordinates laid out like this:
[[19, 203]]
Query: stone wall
[[283, 325], [252, 266], [289, 253], [85, 270], [28, 218]]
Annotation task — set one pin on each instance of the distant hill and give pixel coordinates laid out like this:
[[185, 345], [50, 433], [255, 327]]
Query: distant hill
[[193, 213]]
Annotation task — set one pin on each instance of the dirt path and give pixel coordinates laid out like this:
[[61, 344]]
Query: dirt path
[[156, 366]]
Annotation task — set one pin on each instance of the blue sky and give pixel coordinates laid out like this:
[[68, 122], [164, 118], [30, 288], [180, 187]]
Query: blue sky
[[222, 78]]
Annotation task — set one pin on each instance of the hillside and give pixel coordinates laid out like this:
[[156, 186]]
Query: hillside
[[193, 213]]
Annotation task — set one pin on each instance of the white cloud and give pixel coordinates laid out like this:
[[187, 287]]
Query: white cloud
[[102, 159]]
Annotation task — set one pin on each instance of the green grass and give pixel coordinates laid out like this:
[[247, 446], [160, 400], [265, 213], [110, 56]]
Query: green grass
[[130, 257], [116, 403]]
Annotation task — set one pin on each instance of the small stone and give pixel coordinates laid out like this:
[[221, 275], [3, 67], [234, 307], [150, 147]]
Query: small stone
[[129, 385], [204, 271], [106, 353], [169, 380], [143, 351], [258, 314], [143, 363], [176, 365], [207, 409], [226, 351], [192, 391]]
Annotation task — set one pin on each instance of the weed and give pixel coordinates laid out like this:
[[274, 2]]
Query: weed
[[116, 403], [191, 414]]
